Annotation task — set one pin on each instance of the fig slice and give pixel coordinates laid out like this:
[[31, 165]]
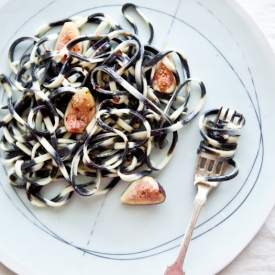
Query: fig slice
[[68, 32], [163, 78], [80, 111], [145, 190]]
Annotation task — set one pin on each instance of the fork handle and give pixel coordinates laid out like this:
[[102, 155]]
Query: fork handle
[[188, 234], [199, 202]]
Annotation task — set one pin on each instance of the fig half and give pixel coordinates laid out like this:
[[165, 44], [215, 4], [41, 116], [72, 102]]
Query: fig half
[[145, 190], [163, 79], [80, 111], [68, 32]]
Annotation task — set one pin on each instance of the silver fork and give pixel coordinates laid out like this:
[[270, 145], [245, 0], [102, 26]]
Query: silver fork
[[208, 174]]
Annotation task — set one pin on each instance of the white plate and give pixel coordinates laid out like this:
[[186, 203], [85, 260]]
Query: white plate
[[98, 235]]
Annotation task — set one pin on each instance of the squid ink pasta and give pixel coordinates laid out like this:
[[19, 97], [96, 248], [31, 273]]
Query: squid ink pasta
[[89, 109]]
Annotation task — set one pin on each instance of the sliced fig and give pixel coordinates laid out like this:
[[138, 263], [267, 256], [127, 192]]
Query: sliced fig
[[68, 32], [80, 111], [163, 79], [145, 190]]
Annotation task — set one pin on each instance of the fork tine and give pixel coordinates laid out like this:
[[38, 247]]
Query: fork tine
[[225, 115], [218, 115], [215, 166], [233, 116], [223, 167], [199, 161], [240, 119], [207, 163]]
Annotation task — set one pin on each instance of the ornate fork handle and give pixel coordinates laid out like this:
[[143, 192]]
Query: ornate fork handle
[[199, 202]]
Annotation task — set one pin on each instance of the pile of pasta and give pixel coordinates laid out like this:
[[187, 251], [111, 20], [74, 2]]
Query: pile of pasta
[[141, 97]]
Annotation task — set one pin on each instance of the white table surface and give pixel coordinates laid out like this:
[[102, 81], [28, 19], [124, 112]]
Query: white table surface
[[258, 258]]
